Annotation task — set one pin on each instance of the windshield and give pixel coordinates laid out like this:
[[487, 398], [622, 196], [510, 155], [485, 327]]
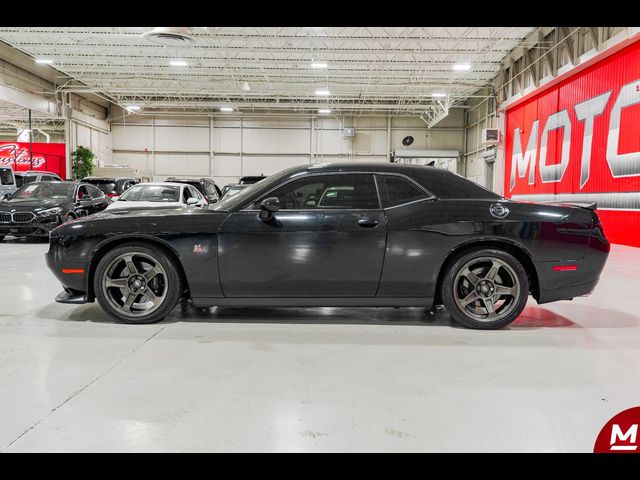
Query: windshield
[[46, 190], [6, 177], [106, 186], [151, 193]]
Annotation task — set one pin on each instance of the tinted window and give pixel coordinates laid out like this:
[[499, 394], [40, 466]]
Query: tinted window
[[6, 177], [151, 193], [356, 191], [445, 184], [49, 178], [106, 186], [95, 193], [46, 190], [396, 191]]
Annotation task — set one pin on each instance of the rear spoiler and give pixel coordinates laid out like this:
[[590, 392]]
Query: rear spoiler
[[585, 205]]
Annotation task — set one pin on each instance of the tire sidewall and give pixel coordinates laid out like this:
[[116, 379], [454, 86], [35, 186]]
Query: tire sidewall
[[174, 287], [448, 285]]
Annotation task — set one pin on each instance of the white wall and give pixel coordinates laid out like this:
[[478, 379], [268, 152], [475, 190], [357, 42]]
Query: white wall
[[228, 147]]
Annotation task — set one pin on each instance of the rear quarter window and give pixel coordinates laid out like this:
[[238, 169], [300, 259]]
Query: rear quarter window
[[448, 185]]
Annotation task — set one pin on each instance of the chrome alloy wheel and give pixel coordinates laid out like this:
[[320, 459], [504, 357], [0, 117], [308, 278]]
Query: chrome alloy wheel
[[135, 284], [486, 289]]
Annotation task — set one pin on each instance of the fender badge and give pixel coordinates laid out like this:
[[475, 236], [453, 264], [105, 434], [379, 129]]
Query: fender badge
[[498, 210]]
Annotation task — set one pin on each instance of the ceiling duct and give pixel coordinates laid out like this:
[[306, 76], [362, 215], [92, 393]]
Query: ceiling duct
[[170, 36]]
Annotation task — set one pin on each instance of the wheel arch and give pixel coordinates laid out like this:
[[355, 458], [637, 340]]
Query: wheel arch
[[101, 250], [518, 251]]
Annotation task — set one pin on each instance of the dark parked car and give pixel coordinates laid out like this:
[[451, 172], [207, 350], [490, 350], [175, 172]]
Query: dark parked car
[[112, 187], [337, 235], [206, 186], [22, 178], [37, 208], [251, 179]]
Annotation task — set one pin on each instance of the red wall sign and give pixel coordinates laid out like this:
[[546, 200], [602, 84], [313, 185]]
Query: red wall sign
[[46, 156], [579, 140]]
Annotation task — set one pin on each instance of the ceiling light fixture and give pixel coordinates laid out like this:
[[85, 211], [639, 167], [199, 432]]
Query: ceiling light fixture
[[133, 108], [246, 87], [319, 65], [226, 109], [177, 63], [324, 110], [44, 61], [438, 95], [461, 67], [322, 93]]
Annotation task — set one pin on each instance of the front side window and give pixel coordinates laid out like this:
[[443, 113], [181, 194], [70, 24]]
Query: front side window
[[348, 191], [95, 193], [396, 190]]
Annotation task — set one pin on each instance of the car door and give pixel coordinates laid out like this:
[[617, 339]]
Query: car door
[[320, 243]]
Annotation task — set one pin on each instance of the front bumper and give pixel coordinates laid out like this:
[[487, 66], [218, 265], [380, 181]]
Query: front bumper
[[31, 229]]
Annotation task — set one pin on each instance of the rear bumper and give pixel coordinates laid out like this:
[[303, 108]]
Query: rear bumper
[[72, 296], [69, 272]]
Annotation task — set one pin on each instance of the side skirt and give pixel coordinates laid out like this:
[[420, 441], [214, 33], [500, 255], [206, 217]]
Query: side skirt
[[202, 302]]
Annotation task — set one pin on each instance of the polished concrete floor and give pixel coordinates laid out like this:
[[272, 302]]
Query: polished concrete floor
[[323, 379]]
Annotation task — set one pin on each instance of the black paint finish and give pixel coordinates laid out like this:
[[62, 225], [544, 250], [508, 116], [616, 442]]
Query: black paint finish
[[392, 256]]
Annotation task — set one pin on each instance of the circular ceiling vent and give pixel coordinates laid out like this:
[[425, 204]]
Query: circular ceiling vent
[[408, 140], [171, 36]]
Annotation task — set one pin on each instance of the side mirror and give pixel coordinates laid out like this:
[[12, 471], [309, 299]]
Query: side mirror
[[7, 196], [268, 207], [192, 201]]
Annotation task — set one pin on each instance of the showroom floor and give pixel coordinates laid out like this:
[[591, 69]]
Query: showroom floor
[[325, 379]]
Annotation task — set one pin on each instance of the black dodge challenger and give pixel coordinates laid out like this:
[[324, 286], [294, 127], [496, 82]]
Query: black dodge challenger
[[336, 235]]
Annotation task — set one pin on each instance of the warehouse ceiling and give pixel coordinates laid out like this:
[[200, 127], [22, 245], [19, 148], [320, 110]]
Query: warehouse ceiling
[[250, 69]]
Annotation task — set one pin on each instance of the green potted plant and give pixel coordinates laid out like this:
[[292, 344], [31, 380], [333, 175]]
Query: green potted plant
[[82, 162]]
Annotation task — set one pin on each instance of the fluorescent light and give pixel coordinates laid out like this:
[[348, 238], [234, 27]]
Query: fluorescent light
[[461, 67], [319, 65], [44, 61], [324, 110], [133, 108], [177, 63], [438, 95], [322, 93], [226, 109]]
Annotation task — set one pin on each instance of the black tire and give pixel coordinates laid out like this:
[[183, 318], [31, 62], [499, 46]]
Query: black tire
[[172, 283], [1, 238], [457, 288]]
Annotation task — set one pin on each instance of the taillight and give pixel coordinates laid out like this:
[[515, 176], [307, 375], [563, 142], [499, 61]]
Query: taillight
[[111, 195]]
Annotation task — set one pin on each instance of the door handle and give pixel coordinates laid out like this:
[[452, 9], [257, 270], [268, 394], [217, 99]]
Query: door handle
[[368, 222]]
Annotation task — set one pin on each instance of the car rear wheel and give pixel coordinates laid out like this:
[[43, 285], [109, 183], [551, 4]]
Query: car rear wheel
[[137, 283], [485, 289]]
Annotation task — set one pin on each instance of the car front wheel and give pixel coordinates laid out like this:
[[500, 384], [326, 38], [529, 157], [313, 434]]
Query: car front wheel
[[485, 289], [137, 283]]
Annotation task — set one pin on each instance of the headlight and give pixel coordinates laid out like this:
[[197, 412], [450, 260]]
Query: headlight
[[50, 211]]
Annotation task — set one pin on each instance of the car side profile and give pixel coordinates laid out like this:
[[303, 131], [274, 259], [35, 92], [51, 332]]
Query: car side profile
[[340, 234]]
